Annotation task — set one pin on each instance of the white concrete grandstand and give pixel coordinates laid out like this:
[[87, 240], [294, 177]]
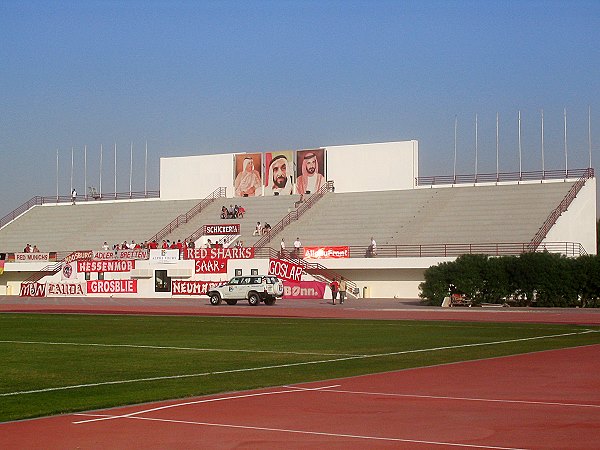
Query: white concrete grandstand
[[340, 206]]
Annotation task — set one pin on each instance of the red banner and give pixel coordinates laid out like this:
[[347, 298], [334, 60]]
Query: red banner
[[211, 266], [220, 253], [181, 287], [33, 290], [285, 270], [304, 289], [326, 252], [78, 255], [112, 287], [125, 265], [233, 228]]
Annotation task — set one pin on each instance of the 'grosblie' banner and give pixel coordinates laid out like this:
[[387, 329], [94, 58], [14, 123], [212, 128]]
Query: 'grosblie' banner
[[112, 287], [286, 270]]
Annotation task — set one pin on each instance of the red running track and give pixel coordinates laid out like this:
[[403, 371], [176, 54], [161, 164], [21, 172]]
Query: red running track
[[545, 400]]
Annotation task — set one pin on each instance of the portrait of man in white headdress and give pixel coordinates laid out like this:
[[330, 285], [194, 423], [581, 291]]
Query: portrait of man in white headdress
[[279, 176], [311, 171], [247, 181]]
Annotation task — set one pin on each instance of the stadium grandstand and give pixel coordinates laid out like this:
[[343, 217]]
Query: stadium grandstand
[[322, 199]]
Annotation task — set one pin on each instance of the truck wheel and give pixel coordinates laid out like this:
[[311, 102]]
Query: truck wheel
[[269, 301], [215, 299], [253, 299], [232, 301]]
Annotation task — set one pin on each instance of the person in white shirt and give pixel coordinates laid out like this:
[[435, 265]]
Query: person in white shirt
[[257, 230], [373, 247], [282, 248], [297, 246]]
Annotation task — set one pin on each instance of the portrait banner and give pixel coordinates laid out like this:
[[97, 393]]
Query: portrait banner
[[310, 170], [286, 270], [247, 172], [279, 173]]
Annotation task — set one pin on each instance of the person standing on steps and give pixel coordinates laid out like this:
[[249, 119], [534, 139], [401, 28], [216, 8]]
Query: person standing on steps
[[335, 287], [342, 290]]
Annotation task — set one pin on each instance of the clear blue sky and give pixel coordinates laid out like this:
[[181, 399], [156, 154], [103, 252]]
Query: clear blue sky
[[197, 77]]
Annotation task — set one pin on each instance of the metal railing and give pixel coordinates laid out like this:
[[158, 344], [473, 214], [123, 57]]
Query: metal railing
[[185, 218], [294, 215], [562, 207], [502, 177], [39, 200]]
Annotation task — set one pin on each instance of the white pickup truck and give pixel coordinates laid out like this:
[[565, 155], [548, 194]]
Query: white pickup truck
[[254, 288]]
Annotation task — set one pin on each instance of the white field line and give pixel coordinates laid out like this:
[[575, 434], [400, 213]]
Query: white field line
[[468, 399], [160, 347], [320, 433], [289, 390], [302, 363]]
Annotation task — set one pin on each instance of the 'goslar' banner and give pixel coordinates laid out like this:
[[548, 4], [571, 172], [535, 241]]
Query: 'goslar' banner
[[285, 270], [220, 253], [210, 265], [181, 287], [304, 289], [112, 287], [326, 252]]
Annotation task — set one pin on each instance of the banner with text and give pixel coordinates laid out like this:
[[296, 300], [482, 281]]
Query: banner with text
[[220, 253], [326, 252], [181, 287], [165, 255], [112, 287], [63, 289], [33, 290], [35, 257], [116, 265], [285, 270], [304, 289], [233, 228], [140, 253], [211, 265]]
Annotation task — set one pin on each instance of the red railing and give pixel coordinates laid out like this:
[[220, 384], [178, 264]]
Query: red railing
[[294, 215], [185, 218], [502, 177], [562, 207], [37, 200]]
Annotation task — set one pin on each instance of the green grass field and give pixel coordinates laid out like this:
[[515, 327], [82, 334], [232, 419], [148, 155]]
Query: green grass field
[[52, 364]]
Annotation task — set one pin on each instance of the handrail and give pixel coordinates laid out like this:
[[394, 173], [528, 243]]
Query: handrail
[[185, 218], [294, 215], [562, 207], [501, 177], [42, 200]]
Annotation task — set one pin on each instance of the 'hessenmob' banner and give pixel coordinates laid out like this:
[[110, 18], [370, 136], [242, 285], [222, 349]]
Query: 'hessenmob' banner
[[120, 265], [285, 270]]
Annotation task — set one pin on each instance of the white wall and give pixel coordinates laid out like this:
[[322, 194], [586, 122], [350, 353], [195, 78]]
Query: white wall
[[373, 167], [578, 223], [190, 177]]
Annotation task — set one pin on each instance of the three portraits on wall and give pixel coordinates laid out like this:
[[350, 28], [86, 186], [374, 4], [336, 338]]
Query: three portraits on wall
[[279, 173]]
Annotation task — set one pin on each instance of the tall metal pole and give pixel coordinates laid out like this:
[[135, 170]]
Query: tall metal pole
[[455, 131], [146, 172], [56, 175], [85, 189], [100, 187], [590, 134], [71, 169], [476, 147], [543, 163], [520, 163], [115, 169], [566, 153], [497, 148], [130, 167]]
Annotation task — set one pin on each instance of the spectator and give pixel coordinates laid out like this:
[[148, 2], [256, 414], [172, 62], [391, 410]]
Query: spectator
[[241, 212], [27, 249], [373, 248], [191, 243], [230, 212], [236, 210], [35, 249], [282, 248], [266, 228], [297, 247], [257, 230], [73, 196], [342, 290], [105, 246], [223, 212]]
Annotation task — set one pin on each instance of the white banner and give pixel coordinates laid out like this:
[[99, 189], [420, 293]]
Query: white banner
[[164, 255], [64, 289], [69, 271]]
